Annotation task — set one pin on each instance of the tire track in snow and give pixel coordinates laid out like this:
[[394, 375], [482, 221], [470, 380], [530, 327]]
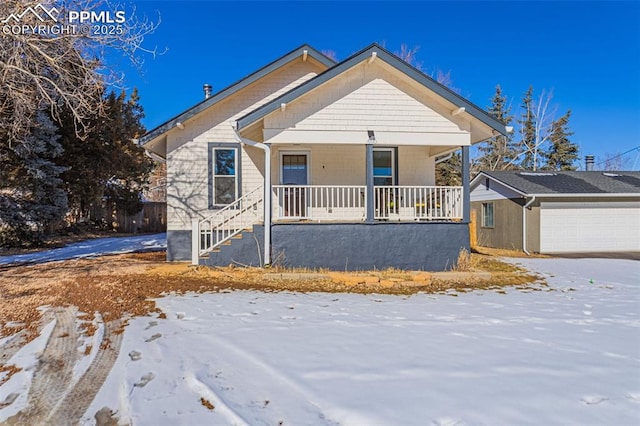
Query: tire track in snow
[[78, 399], [232, 417], [54, 371], [296, 391], [54, 398]]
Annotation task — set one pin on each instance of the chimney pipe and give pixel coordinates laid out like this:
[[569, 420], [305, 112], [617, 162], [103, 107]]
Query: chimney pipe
[[589, 161], [207, 91]]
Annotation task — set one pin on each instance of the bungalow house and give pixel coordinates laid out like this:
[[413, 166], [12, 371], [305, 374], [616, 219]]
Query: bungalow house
[[311, 163], [558, 212]]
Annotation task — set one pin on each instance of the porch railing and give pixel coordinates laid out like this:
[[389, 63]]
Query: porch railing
[[320, 202], [228, 222], [349, 203], [418, 202]]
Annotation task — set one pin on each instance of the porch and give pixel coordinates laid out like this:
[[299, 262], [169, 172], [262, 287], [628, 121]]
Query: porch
[[345, 203], [343, 188]]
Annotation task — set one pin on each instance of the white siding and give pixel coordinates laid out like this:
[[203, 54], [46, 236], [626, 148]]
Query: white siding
[[495, 191], [415, 167], [187, 155], [346, 164], [369, 97], [330, 165]]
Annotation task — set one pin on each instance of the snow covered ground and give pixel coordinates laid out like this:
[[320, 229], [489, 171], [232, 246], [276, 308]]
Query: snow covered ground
[[90, 248], [569, 354]]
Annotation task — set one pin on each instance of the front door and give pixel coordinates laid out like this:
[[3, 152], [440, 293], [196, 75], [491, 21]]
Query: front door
[[295, 171]]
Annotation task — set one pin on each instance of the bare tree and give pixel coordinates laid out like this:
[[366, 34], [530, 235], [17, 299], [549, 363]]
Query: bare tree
[[51, 57], [409, 55], [614, 162], [535, 128], [543, 117], [331, 54]]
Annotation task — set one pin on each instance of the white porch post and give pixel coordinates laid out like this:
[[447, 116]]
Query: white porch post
[[369, 202], [195, 242], [466, 194]]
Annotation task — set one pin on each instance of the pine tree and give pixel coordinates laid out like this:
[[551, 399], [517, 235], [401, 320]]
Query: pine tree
[[131, 166], [527, 124], [449, 172], [33, 199], [562, 153], [107, 166], [498, 153]]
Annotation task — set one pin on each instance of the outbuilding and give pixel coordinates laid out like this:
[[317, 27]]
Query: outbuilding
[[557, 212]]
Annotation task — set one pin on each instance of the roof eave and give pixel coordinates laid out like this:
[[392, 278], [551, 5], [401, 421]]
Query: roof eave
[[506, 185], [585, 195]]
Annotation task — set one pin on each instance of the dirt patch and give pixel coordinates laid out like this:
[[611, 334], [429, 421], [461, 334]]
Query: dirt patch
[[114, 288], [117, 286]]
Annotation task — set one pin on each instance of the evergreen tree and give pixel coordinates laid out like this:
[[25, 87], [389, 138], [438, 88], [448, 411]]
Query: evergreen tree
[[449, 172], [498, 153], [527, 124], [107, 166], [562, 153], [32, 197]]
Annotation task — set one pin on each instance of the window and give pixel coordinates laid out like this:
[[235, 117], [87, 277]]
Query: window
[[294, 169], [487, 215], [224, 176], [383, 167]]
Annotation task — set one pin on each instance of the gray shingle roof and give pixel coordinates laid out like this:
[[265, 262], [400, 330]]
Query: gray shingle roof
[[551, 183]]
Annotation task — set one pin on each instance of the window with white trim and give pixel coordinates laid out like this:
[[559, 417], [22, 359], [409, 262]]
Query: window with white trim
[[384, 167], [224, 177], [487, 215]]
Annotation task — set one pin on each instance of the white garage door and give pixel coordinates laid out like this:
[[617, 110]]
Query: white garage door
[[589, 227]]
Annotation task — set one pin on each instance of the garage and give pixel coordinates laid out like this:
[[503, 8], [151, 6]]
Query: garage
[[560, 212], [589, 227]]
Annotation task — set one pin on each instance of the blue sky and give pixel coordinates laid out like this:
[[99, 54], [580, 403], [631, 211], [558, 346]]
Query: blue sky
[[588, 53]]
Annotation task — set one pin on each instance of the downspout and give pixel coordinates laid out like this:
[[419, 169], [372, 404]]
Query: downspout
[[155, 157], [524, 224], [267, 190], [444, 158]]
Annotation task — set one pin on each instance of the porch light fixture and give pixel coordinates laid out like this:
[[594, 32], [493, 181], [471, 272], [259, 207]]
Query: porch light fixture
[[372, 136], [373, 57], [457, 111]]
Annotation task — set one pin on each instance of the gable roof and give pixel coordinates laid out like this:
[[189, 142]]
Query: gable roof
[[550, 183], [390, 59], [235, 87]]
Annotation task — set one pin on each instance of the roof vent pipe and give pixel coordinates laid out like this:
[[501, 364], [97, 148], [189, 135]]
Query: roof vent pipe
[[207, 90], [589, 161]]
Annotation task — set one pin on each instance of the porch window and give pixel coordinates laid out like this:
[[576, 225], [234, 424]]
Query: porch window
[[383, 166], [487, 215], [224, 176]]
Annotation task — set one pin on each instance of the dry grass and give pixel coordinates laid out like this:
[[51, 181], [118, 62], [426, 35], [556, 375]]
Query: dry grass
[[465, 262], [125, 285], [490, 251]]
